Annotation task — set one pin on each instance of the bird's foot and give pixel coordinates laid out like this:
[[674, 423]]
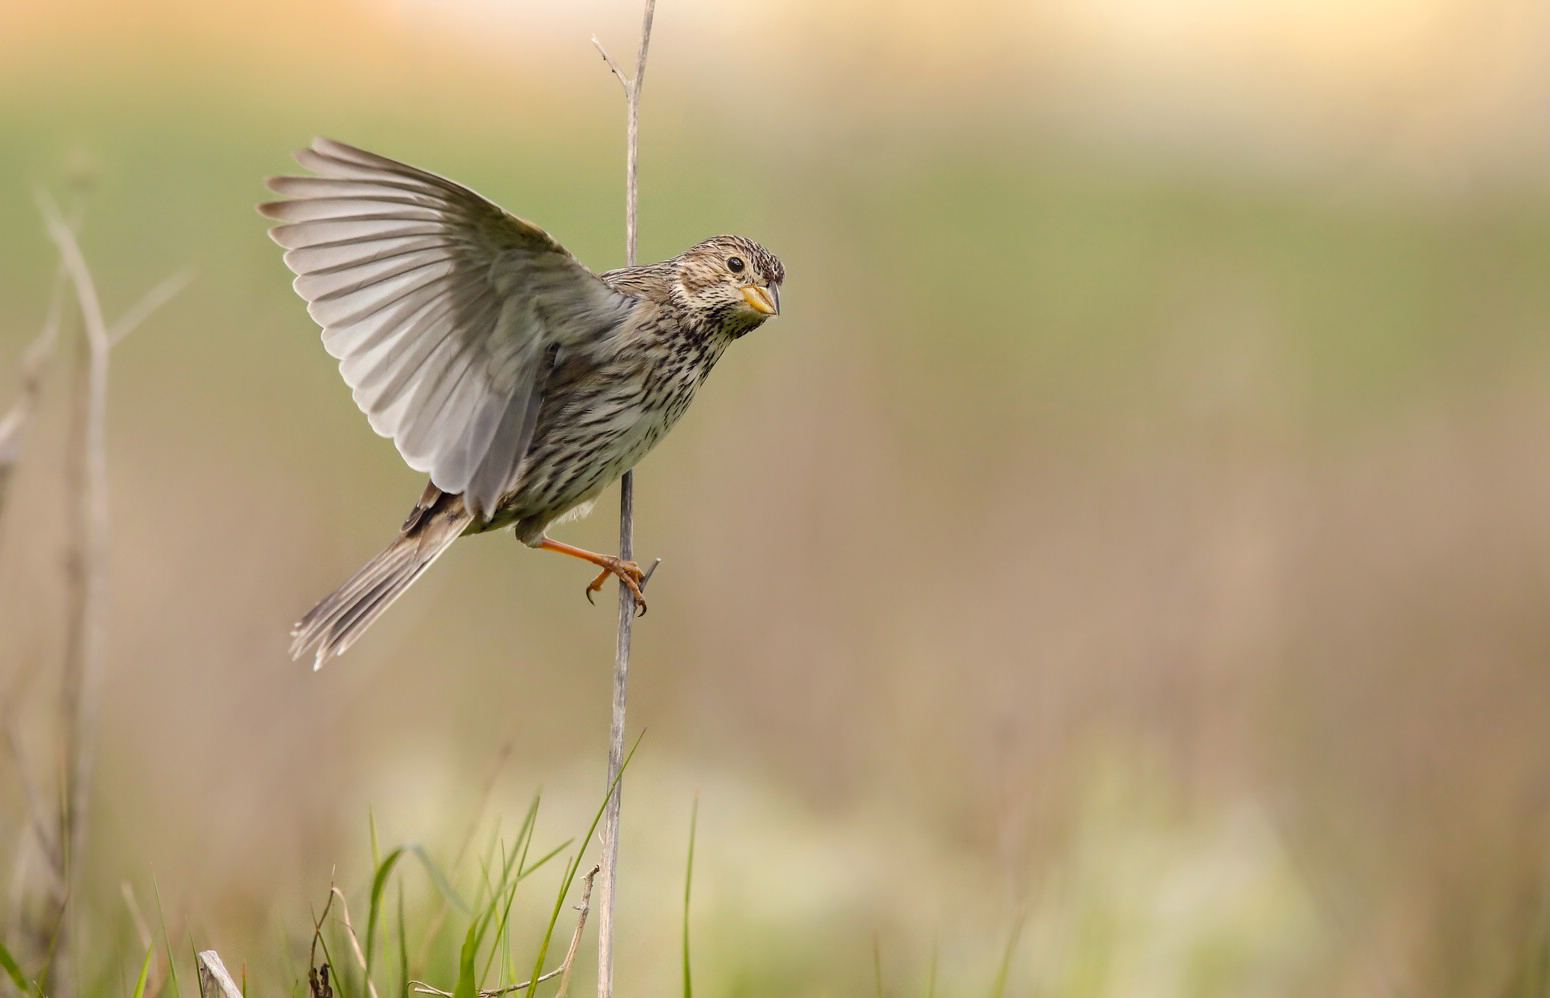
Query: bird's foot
[[628, 573]]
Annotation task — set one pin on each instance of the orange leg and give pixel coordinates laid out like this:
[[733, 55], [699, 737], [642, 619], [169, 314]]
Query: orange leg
[[627, 572]]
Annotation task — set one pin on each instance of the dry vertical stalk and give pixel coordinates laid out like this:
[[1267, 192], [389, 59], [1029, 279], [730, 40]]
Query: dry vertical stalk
[[605, 914], [87, 566], [86, 571]]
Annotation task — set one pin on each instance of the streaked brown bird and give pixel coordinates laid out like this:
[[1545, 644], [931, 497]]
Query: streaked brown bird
[[523, 383]]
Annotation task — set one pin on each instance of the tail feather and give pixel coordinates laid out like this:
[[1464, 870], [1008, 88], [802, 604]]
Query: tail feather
[[343, 616]]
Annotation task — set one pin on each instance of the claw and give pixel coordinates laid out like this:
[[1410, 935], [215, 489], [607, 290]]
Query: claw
[[628, 573]]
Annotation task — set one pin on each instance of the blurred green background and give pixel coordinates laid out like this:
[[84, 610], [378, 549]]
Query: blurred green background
[[1132, 540]]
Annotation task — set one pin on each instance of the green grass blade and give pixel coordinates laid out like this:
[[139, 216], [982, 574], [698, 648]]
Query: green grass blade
[[145, 973], [172, 965], [1006, 959], [487, 886], [14, 972], [571, 868], [936, 946], [525, 842], [694, 821], [571, 865], [877, 965], [465, 988], [403, 946], [440, 879], [378, 883], [41, 984], [468, 976], [291, 956], [546, 857], [467, 984], [500, 900], [525, 837]]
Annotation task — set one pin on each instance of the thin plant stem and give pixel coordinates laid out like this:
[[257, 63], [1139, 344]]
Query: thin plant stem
[[694, 823], [80, 694], [87, 571], [605, 915]]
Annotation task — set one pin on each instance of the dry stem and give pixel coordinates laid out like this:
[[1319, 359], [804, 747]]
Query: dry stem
[[605, 924], [317, 926], [47, 840], [60, 831], [87, 567], [214, 981], [355, 943], [86, 571]]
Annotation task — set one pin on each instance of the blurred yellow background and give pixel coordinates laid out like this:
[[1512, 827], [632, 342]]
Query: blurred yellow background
[[1132, 540]]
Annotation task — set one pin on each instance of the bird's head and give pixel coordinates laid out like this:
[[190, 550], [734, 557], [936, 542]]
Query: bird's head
[[729, 282]]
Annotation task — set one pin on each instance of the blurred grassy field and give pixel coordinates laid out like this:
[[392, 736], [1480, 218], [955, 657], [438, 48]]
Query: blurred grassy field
[[1139, 541]]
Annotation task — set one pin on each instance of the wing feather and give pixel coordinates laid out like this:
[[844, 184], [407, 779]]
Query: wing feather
[[334, 282], [343, 231], [445, 312], [328, 207], [327, 259]]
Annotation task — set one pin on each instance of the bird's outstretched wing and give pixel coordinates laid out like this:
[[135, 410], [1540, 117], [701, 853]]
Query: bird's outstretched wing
[[444, 311]]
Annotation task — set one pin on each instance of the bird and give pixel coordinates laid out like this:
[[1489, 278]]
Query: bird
[[522, 383]]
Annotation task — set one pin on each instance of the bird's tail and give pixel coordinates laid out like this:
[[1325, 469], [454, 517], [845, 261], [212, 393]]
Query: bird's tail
[[343, 616]]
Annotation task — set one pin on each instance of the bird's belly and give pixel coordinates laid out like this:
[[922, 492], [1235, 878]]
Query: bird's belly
[[570, 466]]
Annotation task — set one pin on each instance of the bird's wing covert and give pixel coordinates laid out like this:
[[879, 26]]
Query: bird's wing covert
[[444, 311]]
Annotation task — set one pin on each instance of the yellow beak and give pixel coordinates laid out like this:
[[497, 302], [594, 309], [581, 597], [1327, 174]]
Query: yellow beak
[[763, 300]]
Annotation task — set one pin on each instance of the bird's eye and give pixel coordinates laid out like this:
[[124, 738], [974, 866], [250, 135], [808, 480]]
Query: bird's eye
[[735, 264]]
